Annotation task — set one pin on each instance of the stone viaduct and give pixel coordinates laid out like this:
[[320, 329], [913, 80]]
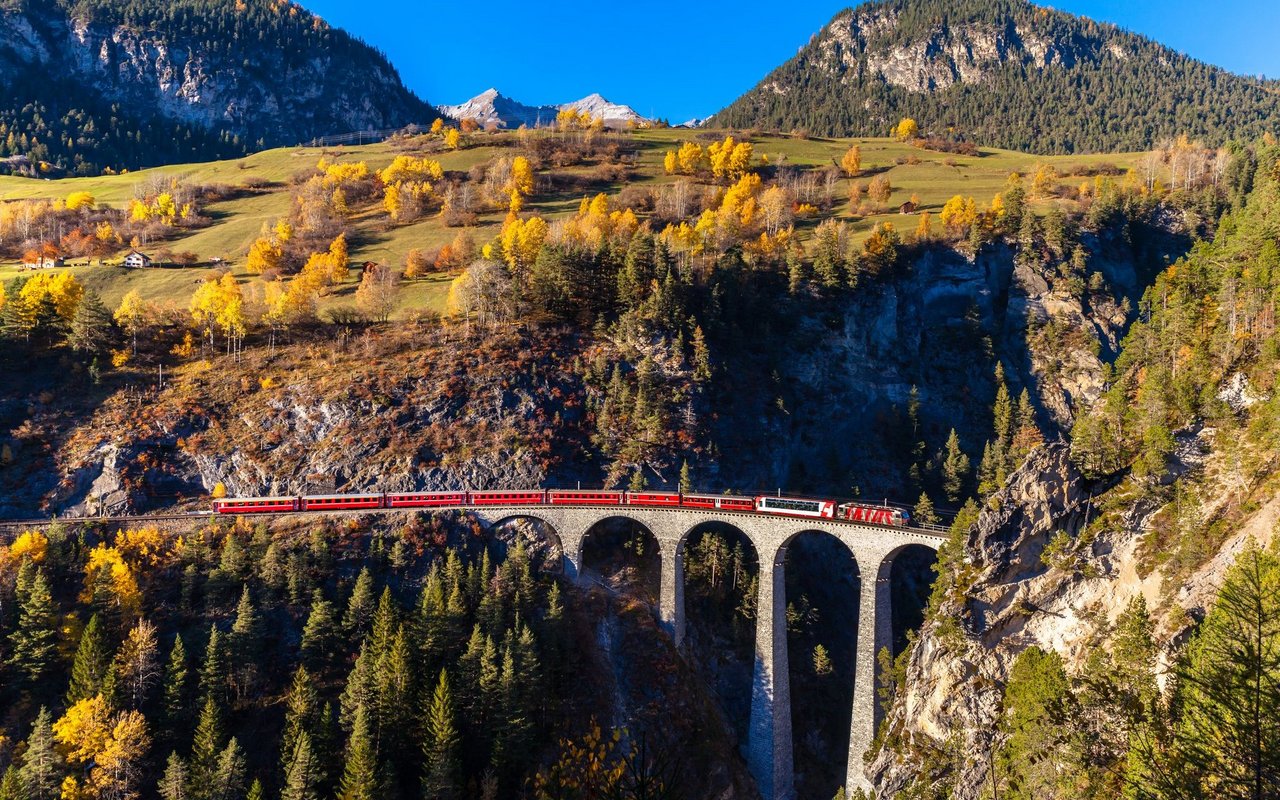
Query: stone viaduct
[[769, 738]]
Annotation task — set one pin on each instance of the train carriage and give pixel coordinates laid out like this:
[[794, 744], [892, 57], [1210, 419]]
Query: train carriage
[[661, 499], [507, 497], [255, 505], [425, 499], [340, 502], [580, 497], [721, 501], [796, 507]]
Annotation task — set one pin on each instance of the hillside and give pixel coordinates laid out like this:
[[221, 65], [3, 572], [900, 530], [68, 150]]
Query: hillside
[[1004, 73], [109, 84]]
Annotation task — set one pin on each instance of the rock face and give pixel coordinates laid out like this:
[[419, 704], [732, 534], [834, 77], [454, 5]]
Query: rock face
[[287, 82], [845, 379], [1009, 596], [491, 107]]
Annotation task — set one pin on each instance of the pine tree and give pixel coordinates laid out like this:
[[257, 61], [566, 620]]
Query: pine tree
[[359, 613], [213, 672], [1002, 413], [955, 468], [89, 670], [384, 624], [92, 329], [176, 779], [821, 661], [924, 513], [227, 782], [360, 690], [301, 775], [300, 715], [11, 785], [394, 680], [1226, 704], [440, 748], [256, 790], [41, 770], [360, 775], [175, 684], [244, 644], [206, 747], [320, 633], [686, 477], [33, 642]]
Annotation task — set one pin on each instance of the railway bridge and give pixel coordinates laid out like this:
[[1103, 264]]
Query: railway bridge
[[768, 746]]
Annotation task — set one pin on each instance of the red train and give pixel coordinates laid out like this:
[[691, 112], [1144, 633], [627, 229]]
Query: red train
[[776, 506]]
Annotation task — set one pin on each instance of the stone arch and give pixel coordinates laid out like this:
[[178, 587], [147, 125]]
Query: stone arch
[[713, 629], [907, 569], [603, 550], [553, 554], [823, 582]]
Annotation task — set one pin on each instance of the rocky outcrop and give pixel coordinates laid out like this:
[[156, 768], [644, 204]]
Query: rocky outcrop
[[296, 81], [1008, 595]]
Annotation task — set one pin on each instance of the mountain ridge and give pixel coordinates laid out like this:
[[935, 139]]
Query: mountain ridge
[[1004, 73], [493, 107], [187, 81]]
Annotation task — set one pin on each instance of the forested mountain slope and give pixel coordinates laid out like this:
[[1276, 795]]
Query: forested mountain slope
[[1003, 73], [1080, 618], [97, 84]]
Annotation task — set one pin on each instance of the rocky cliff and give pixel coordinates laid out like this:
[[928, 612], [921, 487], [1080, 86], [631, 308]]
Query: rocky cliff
[[262, 73], [1051, 562]]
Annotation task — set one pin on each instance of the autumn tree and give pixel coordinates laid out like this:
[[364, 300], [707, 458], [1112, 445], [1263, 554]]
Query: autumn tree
[[377, 293], [851, 162], [906, 130]]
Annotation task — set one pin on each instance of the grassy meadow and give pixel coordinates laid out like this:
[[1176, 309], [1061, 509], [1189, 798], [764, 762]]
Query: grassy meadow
[[234, 223]]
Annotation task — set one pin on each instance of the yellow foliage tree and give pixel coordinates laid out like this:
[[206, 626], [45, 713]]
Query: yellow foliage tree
[[265, 255], [729, 159], [437, 126], [924, 231], [339, 260], [407, 168], [133, 315], [452, 139], [79, 200], [959, 213], [62, 289], [906, 130], [690, 158], [30, 544], [669, 162], [521, 240], [851, 163], [106, 572]]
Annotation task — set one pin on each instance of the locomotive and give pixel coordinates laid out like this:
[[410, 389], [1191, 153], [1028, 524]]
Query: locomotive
[[762, 504]]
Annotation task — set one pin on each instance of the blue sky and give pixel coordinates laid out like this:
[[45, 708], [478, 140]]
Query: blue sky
[[685, 59]]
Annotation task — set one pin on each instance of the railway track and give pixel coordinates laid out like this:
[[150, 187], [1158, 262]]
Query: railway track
[[12, 526]]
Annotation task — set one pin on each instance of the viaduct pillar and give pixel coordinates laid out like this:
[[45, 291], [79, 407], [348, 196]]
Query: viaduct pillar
[[769, 735], [875, 631]]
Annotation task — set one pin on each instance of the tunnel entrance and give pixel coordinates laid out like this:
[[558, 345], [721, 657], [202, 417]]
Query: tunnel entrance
[[722, 580], [623, 556], [822, 584]]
